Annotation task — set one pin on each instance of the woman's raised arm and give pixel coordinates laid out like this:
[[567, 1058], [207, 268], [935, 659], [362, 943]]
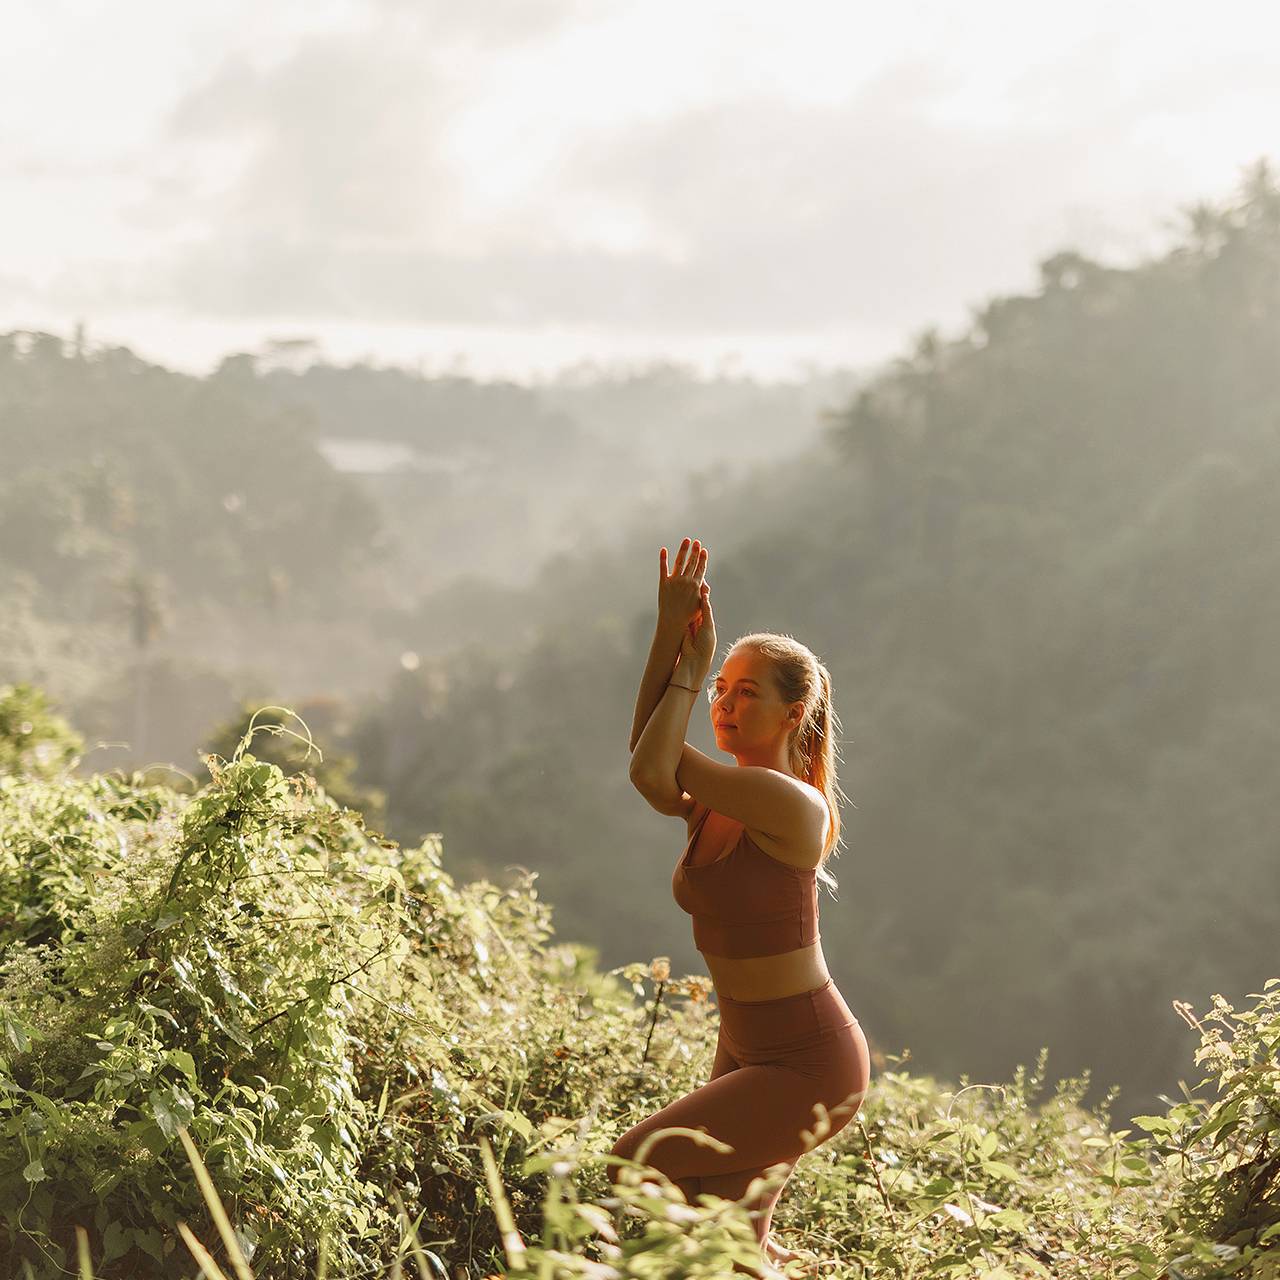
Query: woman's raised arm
[[677, 605], [663, 653]]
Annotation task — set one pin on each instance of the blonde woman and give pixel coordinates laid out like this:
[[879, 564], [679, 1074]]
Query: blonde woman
[[759, 833]]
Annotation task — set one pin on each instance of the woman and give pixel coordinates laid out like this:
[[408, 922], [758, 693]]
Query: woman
[[759, 833]]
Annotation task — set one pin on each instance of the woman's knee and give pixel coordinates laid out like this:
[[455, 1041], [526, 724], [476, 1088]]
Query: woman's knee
[[657, 1156], [622, 1150], [625, 1148]]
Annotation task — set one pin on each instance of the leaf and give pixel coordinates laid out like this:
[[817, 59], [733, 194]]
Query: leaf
[[34, 1172], [151, 1137], [318, 988], [1014, 1219], [185, 1063], [519, 1123], [156, 1012], [150, 1242], [16, 1036], [173, 1109], [115, 1241], [47, 1105], [1215, 1122]]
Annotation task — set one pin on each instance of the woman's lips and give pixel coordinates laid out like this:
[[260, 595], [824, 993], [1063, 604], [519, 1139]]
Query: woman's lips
[[726, 726]]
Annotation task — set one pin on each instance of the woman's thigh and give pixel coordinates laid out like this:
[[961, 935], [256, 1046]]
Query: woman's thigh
[[760, 1111]]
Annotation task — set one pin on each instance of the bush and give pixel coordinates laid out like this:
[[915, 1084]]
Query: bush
[[371, 1060]]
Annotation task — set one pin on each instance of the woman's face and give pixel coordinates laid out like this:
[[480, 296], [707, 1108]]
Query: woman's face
[[747, 713]]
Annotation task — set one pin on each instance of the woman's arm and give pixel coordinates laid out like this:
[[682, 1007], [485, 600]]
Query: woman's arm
[[657, 754], [661, 745], [663, 653], [679, 604]]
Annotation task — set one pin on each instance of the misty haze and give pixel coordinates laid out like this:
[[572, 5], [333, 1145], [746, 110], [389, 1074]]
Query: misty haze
[[355, 366]]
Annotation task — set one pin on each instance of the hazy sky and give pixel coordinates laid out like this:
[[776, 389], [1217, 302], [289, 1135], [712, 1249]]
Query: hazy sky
[[529, 183]]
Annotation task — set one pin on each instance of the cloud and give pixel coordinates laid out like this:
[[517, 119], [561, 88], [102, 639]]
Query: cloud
[[494, 23], [342, 140], [787, 216], [344, 199]]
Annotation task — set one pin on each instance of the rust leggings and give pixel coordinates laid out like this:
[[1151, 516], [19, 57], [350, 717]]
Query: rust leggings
[[774, 1060]]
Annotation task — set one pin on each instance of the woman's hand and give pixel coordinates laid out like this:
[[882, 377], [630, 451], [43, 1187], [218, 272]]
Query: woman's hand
[[680, 591], [684, 598], [698, 644]]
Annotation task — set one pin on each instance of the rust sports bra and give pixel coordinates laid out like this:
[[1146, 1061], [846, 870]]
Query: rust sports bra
[[746, 902]]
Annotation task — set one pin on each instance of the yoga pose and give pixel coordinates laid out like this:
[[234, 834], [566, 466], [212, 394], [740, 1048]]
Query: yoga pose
[[759, 833]]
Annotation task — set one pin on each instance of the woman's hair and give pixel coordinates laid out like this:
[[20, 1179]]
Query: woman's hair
[[800, 677]]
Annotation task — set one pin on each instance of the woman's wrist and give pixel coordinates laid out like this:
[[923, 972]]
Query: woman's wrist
[[669, 626], [689, 677]]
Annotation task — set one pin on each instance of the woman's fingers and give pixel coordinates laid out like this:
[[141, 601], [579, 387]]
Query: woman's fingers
[[693, 564], [702, 566], [680, 557], [691, 560]]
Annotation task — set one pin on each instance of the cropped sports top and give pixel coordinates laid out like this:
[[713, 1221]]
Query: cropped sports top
[[746, 903]]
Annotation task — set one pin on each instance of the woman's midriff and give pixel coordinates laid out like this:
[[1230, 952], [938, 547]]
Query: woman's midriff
[[769, 977]]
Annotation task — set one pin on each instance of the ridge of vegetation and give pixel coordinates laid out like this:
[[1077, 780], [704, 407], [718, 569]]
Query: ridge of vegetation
[[374, 1062]]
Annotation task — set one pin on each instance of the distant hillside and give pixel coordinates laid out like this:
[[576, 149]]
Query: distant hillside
[[177, 543], [517, 474]]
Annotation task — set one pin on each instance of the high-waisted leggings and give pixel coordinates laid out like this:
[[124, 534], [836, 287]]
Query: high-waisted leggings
[[774, 1060]]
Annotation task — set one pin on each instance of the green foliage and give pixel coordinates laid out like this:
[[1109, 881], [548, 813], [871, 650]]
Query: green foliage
[[197, 964], [374, 1062], [293, 754], [33, 738], [988, 1180], [1224, 1141]]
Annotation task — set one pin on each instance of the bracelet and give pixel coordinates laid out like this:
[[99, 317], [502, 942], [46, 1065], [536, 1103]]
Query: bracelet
[[672, 684]]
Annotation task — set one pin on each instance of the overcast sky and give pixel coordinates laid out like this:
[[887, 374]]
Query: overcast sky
[[524, 184]]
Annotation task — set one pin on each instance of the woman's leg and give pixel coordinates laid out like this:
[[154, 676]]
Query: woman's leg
[[723, 1064], [760, 1111], [733, 1186]]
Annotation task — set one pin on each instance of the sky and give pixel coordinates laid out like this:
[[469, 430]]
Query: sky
[[512, 187]]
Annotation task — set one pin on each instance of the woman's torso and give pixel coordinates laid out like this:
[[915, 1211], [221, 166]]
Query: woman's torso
[[754, 977]]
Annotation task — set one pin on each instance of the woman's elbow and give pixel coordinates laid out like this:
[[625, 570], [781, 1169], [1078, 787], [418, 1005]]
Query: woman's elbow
[[646, 781], [638, 774]]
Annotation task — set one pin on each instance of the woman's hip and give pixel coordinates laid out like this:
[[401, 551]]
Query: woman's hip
[[798, 1030]]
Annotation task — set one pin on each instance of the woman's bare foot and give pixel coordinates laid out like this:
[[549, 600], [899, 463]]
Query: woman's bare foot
[[778, 1253], [765, 1270]]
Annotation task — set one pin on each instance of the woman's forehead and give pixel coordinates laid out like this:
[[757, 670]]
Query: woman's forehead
[[743, 664]]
